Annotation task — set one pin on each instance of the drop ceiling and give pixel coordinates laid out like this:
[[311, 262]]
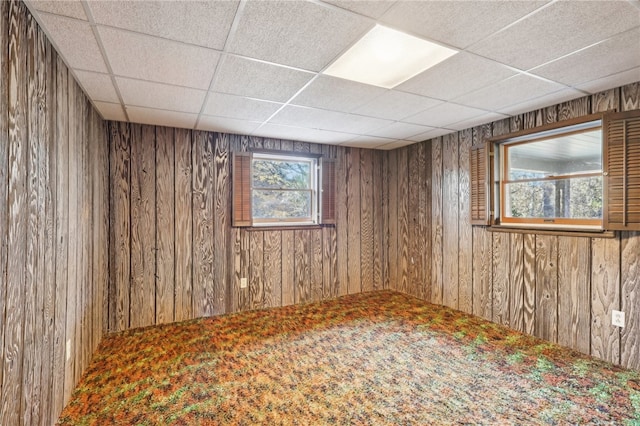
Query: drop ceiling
[[255, 67]]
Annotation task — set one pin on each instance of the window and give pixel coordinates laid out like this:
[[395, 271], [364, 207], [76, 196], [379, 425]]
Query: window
[[584, 174], [553, 177], [280, 189]]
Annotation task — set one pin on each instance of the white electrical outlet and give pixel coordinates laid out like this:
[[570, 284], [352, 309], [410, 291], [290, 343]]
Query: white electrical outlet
[[68, 349], [617, 318], [243, 283]]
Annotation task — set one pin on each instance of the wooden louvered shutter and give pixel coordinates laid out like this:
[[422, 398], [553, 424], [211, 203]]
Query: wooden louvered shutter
[[328, 191], [479, 159], [621, 167], [241, 189]]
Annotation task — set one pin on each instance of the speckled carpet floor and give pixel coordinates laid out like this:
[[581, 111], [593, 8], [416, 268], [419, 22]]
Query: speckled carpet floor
[[372, 358]]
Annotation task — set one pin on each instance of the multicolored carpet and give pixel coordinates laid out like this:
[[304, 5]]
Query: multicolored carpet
[[372, 358]]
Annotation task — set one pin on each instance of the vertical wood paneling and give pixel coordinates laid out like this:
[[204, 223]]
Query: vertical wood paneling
[[183, 227], [574, 255], [630, 277], [516, 281], [353, 220], [436, 221], [256, 273], [342, 226], [203, 232], [222, 218], [609, 100], [413, 216], [403, 220], [4, 171], [143, 226], [574, 108], [529, 282], [546, 323], [302, 267], [272, 268], [165, 238], [16, 219], [425, 222], [465, 258], [393, 219], [317, 262], [500, 275], [630, 97], [366, 219], [482, 280], [450, 216], [288, 268], [379, 204], [605, 297]]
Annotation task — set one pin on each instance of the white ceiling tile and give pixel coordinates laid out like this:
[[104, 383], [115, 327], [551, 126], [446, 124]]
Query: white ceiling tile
[[444, 114], [72, 9], [151, 58], [110, 111], [223, 105], [622, 53], [542, 101], [328, 120], [226, 125], [396, 105], [432, 134], [368, 142], [243, 77], [336, 94], [97, 86], [160, 117], [399, 130], [477, 121], [457, 23], [508, 92], [208, 22], [301, 134], [460, 74], [609, 82], [371, 8], [295, 33], [561, 28], [75, 41], [394, 145], [160, 96]]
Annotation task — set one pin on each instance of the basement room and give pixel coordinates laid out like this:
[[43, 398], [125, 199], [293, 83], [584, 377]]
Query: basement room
[[319, 212]]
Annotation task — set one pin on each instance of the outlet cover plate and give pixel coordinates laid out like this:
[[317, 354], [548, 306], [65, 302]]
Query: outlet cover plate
[[617, 318], [243, 283]]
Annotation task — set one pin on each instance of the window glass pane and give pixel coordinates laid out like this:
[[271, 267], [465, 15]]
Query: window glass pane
[[278, 204], [280, 174], [577, 198], [559, 156]]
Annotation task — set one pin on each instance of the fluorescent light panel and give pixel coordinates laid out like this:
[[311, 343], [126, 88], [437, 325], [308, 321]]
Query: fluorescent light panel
[[384, 57]]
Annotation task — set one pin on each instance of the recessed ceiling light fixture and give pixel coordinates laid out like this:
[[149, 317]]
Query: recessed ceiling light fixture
[[384, 57]]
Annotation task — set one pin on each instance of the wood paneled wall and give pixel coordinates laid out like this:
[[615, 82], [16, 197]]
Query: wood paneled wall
[[53, 225], [560, 288], [175, 256]]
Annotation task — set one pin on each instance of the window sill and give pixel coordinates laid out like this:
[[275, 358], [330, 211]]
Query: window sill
[[568, 232], [284, 227]]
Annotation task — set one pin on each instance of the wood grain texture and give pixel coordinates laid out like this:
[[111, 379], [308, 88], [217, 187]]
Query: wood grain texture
[[413, 217], [393, 219], [532, 119], [529, 283], [379, 204], [574, 322], [342, 226], [302, 266], [366, 219], [354, 265], [436, 221], [317, 262], [404, 257], [482, 279], [630, 280], [272, 268], [424, 220], [546, 323], [450, 217], [165, 227], [608, 100], [516, 281], [203, 222], [143, 226], [550, 114], [500, 275], [605, 297], [630, 97], [256, 271], [4, 171], [465, 244], [288, 268], [222, 219], [183, 220], [574, 108]]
